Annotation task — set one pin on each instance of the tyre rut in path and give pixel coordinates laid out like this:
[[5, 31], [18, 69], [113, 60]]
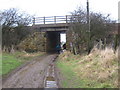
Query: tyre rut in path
[[50, 80], [31, 76]]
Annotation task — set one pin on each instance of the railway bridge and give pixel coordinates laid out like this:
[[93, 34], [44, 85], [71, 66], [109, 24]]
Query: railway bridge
[[52, 26]]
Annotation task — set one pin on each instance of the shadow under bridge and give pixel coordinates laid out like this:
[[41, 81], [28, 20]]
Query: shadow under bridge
[[53, 39]]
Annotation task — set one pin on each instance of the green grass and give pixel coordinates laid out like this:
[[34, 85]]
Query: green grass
[[72, 79], [12, 61], [9, 62]]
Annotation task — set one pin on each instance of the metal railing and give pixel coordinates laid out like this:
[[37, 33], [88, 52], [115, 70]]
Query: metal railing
[[51, 19], [57, 19]]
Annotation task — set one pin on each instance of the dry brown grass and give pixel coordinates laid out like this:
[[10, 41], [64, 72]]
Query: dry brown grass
[[32, 54], [100, 65]]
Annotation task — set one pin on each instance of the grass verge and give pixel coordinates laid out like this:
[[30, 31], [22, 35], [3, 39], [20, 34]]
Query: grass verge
[[12, 61], [97, 70], [71, 80]]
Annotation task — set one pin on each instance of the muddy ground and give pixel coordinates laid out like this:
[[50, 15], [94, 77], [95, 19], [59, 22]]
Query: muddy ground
[[32, 75]]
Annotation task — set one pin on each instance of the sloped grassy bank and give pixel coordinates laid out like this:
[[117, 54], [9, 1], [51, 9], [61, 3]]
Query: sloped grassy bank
[[96, 70]]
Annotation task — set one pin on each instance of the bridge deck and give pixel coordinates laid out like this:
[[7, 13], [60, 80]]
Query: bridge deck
[[54, 23], [51, 25]]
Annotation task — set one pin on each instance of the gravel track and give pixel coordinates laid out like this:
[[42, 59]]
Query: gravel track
[[31, 75]]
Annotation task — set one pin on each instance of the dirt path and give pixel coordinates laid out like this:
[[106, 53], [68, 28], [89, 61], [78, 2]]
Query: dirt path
[[32, 75]]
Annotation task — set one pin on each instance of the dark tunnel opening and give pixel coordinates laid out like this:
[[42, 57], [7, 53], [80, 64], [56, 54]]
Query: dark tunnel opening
[[53, 39]]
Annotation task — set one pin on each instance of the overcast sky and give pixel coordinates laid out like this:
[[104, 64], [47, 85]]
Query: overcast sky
[[61, 7]]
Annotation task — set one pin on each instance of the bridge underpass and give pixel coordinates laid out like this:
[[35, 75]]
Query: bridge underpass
[[53, 26], [53, 39]]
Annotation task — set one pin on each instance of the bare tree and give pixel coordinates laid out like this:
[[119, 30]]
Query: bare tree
[[13, 17], [100, 29], [13, 22]]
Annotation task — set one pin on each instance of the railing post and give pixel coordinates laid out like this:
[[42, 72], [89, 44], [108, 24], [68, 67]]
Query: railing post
[[66, 19], [55, 19], [34, 21], [44, 20]]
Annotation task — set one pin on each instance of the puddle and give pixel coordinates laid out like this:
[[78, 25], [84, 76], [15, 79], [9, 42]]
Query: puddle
[[51, 84], [50, 78], [50, 81]]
